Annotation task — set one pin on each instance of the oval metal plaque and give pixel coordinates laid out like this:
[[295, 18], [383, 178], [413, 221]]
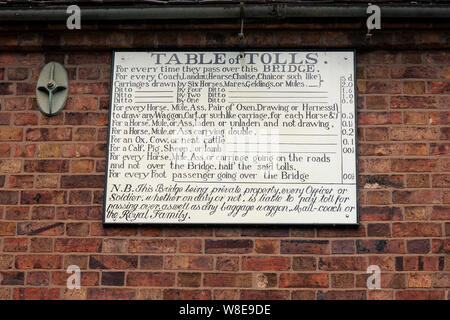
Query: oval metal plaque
[[52, 89]]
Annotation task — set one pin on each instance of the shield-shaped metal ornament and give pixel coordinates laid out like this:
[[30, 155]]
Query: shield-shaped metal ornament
[[52, 89]]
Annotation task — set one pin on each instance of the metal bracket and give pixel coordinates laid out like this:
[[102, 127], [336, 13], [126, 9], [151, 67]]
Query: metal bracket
[[52, 89], [241, 33]]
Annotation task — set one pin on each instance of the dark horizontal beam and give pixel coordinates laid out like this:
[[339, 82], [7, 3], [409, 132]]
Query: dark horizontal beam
[[221, 12]]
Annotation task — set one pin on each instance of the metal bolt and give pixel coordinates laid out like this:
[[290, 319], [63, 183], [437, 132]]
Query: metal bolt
[[51, 85]]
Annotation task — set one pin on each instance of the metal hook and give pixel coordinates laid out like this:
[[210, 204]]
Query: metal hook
[[241, 33]]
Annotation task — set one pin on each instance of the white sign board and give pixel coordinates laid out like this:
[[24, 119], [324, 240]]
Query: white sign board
[[232, 138]]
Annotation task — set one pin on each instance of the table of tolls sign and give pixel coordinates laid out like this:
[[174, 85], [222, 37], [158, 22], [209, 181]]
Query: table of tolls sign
[[219, 137]]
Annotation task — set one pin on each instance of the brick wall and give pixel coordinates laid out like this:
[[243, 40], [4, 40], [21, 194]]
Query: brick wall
[[52, 176]]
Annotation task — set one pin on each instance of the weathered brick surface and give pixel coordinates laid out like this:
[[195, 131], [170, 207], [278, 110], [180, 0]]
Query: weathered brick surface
[[52, 178]]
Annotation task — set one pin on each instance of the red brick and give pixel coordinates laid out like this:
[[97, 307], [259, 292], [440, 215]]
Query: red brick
[[378, 197], [416, 118], [113, 278], [86, 118], [7, 228], [420, 295], [114, 245], [438, 87], [179, 262], [342, 263], [11, 134], [6, 261], [82, 181], [187, 231], [80, 197], [39, 261], [118, 262], [184, 294], [265, 295], [6, 88], [97, 229], [189, 279], [17, 213], [267, 246], [441, 280], [10, 166], [264, 232], [21, 181], [418, 246], [38, 278], [414, 133], [24, 151], [380, 246], [5, 150], [343, 247], [5, 119], [110, 294], [226, 294], [239, 280], [416, 229], [440, 213], [303, 280], [342, 280], [59, 278], [227, 263], [265, 263], [305, 247], [49, 134], [382, 87], [40, 228], [41, 244], [47, 166], [439, 118], [386, 263], [379, 118], [9, 197], [36, 294], [414, 87], [84, 134], [304, 263], [413, 102], [82, 166], [42, 213], [153, 246], [151, 262], [416, 149], [380, 213], [78, 245], [341, 295], [441, 180], [303, 295], [416, 197], [376, 134], [15, 244], [440, 245], [88, 73], [85, 103], [418, 181], [378, 230], [43, 197], [422, 72], [190, 245], [150, 279], [343, 231], [228, 246], [377, 165]]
